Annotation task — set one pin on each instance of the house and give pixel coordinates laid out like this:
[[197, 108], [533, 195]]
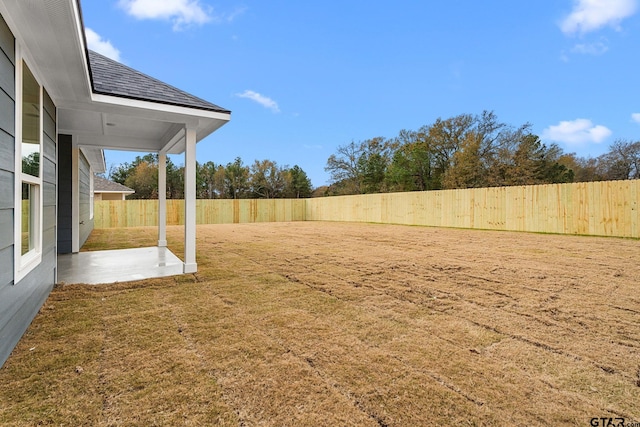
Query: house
[[61, 105], [103, 189]]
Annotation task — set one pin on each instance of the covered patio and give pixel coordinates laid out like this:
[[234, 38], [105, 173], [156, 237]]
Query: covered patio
[[131, 111], [135, 112], [103, 104]]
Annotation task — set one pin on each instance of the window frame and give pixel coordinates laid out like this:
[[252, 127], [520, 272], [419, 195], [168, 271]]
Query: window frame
[[24, 264], [91, 195]]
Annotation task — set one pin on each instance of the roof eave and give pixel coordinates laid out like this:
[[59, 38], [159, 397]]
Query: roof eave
[[113, 192]]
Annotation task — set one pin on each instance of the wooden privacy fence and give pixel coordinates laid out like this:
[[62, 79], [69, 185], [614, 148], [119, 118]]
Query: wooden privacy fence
[[139, 213], [608, 208]]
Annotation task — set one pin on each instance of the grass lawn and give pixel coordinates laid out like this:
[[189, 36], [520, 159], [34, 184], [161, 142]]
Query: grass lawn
[[335, 324]]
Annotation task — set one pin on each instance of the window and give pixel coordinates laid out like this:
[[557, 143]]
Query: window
[[28, 205], [28, 227]]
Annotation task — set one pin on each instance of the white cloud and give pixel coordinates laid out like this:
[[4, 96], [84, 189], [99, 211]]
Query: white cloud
[[233, 15], [260, 99], [635, 117], [100, 45], [591, 15], [577, 132], [590, 48], [181, 12]]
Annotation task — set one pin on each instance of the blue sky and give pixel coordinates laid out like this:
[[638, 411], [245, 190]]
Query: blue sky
[[302, 78]]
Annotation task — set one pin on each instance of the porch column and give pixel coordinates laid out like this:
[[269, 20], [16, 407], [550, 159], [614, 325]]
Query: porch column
[[162, 199], [190, 265]]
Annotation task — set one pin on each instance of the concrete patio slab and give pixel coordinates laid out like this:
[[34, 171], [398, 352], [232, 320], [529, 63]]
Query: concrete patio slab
[[122, 265]]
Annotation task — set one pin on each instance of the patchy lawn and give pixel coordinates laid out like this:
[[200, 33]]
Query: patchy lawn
[[292, 324]]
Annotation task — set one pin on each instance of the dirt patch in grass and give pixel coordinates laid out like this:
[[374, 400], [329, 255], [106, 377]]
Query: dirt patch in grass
[[294, 324]]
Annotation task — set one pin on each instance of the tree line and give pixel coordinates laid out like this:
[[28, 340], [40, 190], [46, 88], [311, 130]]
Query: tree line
[[235, 180], [469, 151], [464, 151]]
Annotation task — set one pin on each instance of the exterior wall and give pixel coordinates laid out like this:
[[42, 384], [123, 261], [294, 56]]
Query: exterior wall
[[49, 178], [84, 198], [109, 196], [64, 195], [20, 302], [7, 154]]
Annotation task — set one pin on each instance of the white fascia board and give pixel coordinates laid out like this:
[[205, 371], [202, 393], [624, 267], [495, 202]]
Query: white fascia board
[[81, 42], [113, 192], [190, 115]]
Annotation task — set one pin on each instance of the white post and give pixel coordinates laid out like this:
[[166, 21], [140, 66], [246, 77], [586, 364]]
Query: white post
[[190, 265], [162, 199]]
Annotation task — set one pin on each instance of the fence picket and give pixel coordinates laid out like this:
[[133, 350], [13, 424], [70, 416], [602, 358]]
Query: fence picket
[[608, 208]]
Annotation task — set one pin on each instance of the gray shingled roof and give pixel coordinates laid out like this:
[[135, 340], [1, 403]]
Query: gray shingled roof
[[101, 185], [110, 77]]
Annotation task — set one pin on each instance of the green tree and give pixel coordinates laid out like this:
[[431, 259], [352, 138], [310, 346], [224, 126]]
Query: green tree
[[219, 183], [143, 178], [360, 167], [267, 180], [298, 184], [120, 173], [31, 164], [175, 180], [344, 168], [411, 163], [205, 179], [236, 179], [445, 139], [584, 169], [467, 169], [622, 161], [373, 163]]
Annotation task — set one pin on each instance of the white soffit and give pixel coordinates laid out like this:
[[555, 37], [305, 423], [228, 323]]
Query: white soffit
[[95, 157]]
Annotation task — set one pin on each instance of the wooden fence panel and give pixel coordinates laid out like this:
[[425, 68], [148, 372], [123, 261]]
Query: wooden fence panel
[[609, 208], [140, 213]]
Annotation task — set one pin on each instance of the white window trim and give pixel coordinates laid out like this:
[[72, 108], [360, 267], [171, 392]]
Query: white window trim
[[91, 195], [24, 264]]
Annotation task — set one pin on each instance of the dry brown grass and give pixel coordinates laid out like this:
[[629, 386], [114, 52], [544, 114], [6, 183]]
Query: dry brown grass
[[342, 324]]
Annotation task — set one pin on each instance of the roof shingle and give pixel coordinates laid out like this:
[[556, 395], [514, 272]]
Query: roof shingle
[[110, 77], [101, 185]]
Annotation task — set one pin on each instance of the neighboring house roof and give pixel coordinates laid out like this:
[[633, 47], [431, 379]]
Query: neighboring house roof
[[101, 185], [110, 77]]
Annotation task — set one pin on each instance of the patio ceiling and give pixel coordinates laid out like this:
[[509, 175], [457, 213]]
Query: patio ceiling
[[102, 119]]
